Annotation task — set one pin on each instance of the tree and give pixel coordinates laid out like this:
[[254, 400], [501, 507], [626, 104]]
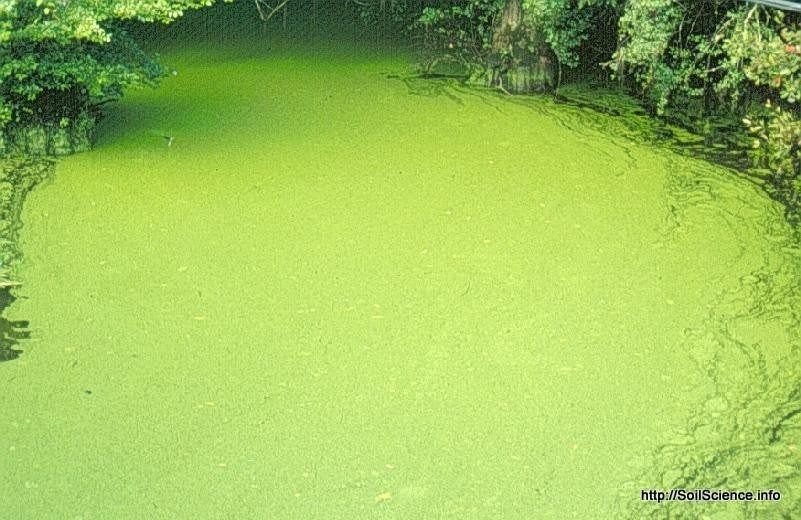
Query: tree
[[61, 59]]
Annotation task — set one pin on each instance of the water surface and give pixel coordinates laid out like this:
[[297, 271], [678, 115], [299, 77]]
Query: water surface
[[339, 294]]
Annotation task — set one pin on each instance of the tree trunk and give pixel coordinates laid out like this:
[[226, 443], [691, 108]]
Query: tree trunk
[[509, 21], [513, 68]]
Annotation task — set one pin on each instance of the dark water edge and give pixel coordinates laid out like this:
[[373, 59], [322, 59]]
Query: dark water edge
[[718, 139], [18, 176], [748, 432]]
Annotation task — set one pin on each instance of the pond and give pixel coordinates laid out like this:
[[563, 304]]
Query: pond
[[297, 282]]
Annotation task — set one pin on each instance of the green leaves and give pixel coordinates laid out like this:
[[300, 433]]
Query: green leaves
[[756, 50], [459, 32], [58, 58], [777, 147], [567, 24], [646, 29], [87, 20]]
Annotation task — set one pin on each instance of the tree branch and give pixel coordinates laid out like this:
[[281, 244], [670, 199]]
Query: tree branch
[[261, 5]]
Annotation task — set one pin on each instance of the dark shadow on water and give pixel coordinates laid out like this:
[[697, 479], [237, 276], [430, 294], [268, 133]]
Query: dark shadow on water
[[11, 332], [431, 85], [20, 175]]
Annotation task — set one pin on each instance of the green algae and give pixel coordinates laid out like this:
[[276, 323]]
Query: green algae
[[339, 294], [745, 435]]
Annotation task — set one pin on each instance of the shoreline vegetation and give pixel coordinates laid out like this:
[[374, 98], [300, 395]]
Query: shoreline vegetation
[[18, 176]]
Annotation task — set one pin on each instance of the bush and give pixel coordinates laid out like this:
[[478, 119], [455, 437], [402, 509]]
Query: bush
[[62, 60], [777, 147]]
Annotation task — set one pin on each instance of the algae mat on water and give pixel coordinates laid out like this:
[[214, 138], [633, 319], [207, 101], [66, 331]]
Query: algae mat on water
[[336, 296]]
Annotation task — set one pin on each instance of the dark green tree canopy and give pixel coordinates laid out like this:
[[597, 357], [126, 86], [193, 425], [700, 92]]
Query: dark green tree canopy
[[59, 58]]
